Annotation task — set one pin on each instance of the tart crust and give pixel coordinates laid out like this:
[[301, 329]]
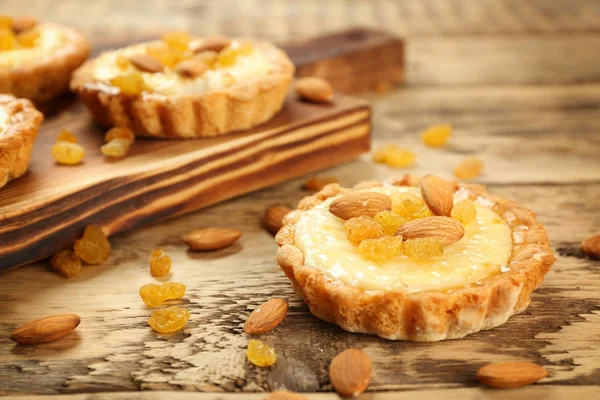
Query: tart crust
[[422, 316], [241, 106], [49, 76], [16, 141]]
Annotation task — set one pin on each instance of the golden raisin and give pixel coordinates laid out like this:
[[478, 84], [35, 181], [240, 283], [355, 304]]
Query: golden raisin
[[160, 263], [469, 168], [361, 228], [229, 55], [464, 211], [170, 319], [116, 148], [381, 249], [177, 40], [66, 263], [130, 83], [260, 354], [395, 156], [8, 40], [409, 206], [122, 62], [390, 221], [154, 295], [6, 22], [29, 38], [66, 135], [423, 249], [437, 135], [67, 153], [93, 247]]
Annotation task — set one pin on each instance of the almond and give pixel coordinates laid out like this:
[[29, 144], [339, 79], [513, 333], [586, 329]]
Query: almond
[[211, 238], [511, 374], [191, 69], [437, 195], [266, 317], [314, 89], [146, 63], [355, 204], [273, 218], [213, 43], [317, 183], [46, 329], [23, 23], [350, 372], [284, 395], [444, 229], [591, 247]]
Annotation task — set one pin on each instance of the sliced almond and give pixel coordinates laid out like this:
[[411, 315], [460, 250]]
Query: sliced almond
[[437, 195], [191, 69], [511, 374], [47, 329], [266, 317], [446, 230], [350, 372], [355, 204], [146, 63], [213, 43], [314, 89], [284, 395], [273, 218], [211, 238], [591, 247], [24, 23]]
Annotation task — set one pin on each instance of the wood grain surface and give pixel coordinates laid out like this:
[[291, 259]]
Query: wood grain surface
[[519, 81]]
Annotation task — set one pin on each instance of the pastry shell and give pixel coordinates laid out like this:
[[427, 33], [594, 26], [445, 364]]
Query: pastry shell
[[16, 141], [424, 316]]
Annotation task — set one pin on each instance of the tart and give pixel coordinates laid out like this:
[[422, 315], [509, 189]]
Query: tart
[[19, 124], [486, 273], [37, 60], [184, 87]]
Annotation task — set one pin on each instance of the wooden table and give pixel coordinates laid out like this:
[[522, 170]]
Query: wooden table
[[519, 81]]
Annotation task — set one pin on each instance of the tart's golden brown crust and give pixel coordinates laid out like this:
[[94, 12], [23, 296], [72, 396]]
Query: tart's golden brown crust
[[47, 77], [241, 106], [424, 316], [16, 142]]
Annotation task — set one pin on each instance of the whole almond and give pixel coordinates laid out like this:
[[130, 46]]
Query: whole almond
[[191, 69], [437, 195], [47, 329], [146, 63], [23, 23], [446, 230], [211, 238], [212, 43], [355, 204], [314, 89], [591, 247], [511, 374], [317, 183], [273, 218], [266, 317], [350, 372], [284, 395]]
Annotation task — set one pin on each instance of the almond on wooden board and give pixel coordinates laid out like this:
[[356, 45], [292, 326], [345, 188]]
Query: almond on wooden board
[[591, 247], [273, 218], [437, 195], [266, 317], [145, 63], [446, 230], [284, 395], [511, 374], [47, 329], [314, 89], [355, 204], [350, 372], [211, 238]]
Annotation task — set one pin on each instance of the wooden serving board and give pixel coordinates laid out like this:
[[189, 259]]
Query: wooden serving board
[[47, 209]]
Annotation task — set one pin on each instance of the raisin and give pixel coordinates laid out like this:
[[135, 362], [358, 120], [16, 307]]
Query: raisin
[[361, 228], [130, 83], [116, 148], [409, 206], [160, 263], [6, 22], [395, 156], [66, 135], [381, 249], [8, 40], [170, 319], [390, 221], [437, 135], [177, 40], [228, 56], [261, 354], [66, 263], [423, 249], [119, 133], [465, 212], [122, 62], [28, 38], [469, 168], [67, 153], [93, 247], [154, 295]]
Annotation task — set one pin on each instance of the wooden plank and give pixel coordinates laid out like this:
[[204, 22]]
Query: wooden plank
[[48, 208]]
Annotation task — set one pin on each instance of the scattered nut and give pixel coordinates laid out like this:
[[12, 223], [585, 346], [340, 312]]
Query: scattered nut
[[314, 89]]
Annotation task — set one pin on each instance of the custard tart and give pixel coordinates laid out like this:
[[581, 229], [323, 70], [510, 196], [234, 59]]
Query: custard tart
[[186, 87], [19, 124], [37, 59], [411, 259]]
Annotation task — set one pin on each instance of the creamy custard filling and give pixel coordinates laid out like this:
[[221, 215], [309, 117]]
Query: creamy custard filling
[[50, 39], [483, 251], [251, 66]]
